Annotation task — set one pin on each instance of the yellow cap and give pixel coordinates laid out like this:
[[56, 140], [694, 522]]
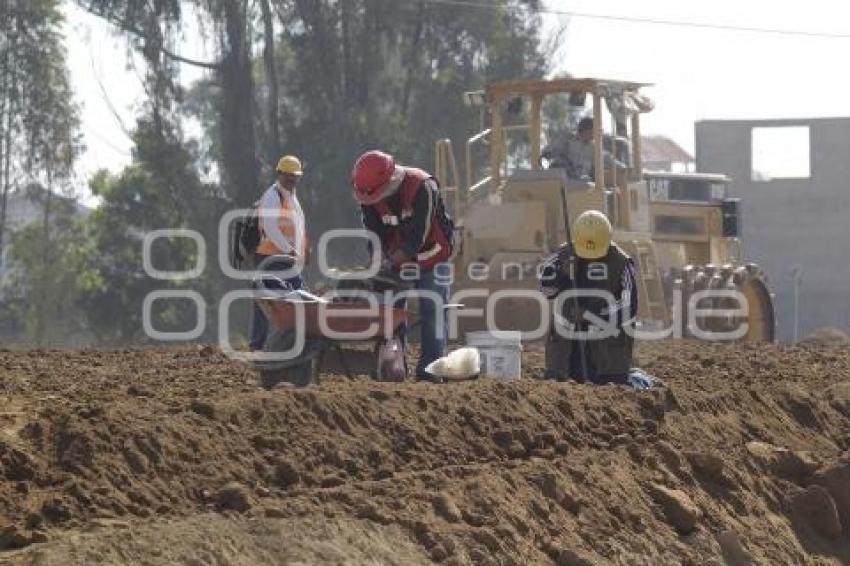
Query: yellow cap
[[289, 164], [591, 235]]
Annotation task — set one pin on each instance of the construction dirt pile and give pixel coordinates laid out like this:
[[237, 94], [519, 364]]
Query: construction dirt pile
[[827, 336], [173, 456]]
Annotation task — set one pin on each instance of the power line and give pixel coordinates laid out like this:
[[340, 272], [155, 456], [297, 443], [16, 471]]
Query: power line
[[655, 21]]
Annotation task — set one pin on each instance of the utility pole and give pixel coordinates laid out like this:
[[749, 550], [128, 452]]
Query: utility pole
[[797, 277]]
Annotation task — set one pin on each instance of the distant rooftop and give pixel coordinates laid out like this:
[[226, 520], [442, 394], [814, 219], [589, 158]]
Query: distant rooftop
[[661, 149]]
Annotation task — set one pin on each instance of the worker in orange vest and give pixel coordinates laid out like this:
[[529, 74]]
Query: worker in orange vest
[[283, 235]]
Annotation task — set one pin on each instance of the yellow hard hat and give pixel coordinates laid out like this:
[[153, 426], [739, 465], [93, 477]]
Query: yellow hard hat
[[591, 235], [290, 164]]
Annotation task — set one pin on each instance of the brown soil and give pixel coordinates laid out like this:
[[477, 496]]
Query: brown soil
[[827, 336], [176, 456]]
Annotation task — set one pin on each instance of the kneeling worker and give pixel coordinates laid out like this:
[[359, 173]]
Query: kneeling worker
[[577, 348]]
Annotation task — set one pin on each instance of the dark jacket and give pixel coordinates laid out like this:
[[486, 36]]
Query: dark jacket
[[606, 359]]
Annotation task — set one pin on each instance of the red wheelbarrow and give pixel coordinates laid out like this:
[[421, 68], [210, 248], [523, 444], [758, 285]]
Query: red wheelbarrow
[[374, 336]]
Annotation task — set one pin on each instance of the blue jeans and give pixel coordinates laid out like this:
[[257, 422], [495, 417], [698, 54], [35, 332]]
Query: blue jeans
[[432, 318], [259, 323]]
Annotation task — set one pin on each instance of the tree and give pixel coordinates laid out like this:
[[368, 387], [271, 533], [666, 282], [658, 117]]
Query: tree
[[271, 82], [339, 76], [46, 291], [324, 79], [39, 139], [38, 120], [152, 29], [159, 189], [343, 76]]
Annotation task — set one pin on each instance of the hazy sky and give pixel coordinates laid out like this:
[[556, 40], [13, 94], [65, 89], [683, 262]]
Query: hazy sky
[[714, 74], [698, 73]]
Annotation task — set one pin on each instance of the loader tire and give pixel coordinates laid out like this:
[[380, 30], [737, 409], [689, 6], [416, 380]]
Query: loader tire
[[753, 285], [750, 282]]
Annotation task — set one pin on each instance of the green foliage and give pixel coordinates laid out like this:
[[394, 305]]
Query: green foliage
[[160, 189], [361, 74], [349, 75], [334, 78], [39, 142], [44, 274], [39, 138]]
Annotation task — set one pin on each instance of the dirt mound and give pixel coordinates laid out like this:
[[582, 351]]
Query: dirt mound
[[827, 336], [216, 539], [728, 462]]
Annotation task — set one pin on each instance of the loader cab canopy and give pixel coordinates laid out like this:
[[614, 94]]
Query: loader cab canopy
[[527, 115]]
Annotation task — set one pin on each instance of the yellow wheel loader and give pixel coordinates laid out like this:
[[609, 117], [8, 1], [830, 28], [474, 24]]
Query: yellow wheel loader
[[681, 229]]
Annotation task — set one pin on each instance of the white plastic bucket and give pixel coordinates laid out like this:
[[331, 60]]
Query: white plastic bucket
[[500, 353]]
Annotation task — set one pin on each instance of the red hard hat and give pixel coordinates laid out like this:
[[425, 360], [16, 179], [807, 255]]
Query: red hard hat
[[372, 176]]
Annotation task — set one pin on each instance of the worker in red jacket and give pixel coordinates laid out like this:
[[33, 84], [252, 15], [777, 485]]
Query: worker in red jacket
[[403, 207]]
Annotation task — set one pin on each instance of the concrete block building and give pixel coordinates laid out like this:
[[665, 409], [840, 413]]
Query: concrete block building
[[794, 178]]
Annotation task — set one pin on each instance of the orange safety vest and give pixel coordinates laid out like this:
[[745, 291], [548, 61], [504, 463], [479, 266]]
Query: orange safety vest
[[288, 226]]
